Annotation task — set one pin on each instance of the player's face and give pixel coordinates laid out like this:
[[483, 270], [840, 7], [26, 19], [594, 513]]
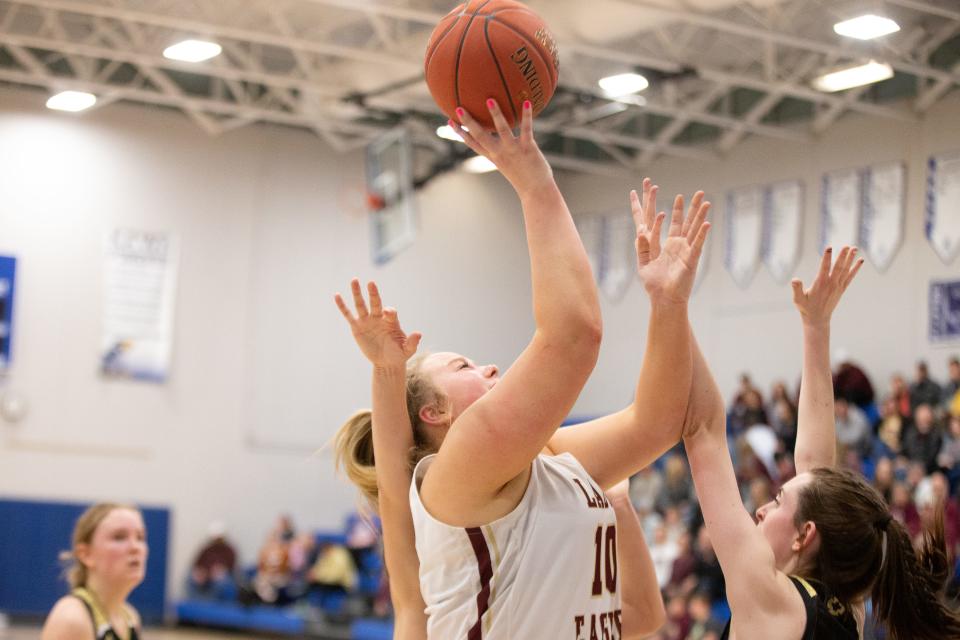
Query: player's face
[[118, 550], [776, 520], [461, 380]]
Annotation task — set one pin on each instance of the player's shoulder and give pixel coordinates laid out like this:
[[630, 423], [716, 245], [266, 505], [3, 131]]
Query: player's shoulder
[[68, 620]]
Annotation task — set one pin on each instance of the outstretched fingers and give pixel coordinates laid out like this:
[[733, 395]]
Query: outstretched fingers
[[649, 202], [376, 305], [699, 217], [691, 215], [343, 309], [358, 300], [500, 122], [676, 219], [825, 261], [526, 123], [476, 133], [852, 273], [699, 240]]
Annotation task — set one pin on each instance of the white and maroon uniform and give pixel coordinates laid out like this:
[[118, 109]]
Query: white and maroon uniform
[[546, 570]]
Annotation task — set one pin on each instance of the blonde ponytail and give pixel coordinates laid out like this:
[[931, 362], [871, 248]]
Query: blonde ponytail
[[353, 454]]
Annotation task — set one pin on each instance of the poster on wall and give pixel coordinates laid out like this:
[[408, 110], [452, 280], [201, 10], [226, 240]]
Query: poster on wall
[[842, 193], [8, 273], [391, 203], [744, 233], [139, 293], [783, 216], [945, 311], [881, 225], [943, 205]]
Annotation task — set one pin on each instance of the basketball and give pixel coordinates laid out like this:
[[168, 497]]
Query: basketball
[[496, 49]]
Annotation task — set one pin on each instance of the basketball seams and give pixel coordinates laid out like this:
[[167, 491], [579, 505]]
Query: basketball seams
[[536, 48], [496, 62], [463, 38], [436, 45]]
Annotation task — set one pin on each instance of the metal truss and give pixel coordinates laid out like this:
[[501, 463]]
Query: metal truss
[[349, 69]]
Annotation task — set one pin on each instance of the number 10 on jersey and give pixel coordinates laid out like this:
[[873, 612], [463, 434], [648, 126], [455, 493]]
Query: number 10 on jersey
[[605, 563]]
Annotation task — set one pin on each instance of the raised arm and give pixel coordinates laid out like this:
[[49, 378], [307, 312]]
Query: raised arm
[[761, 597], [617, 446], [506, 428], [641, 602], [382, 340], [816, 426]]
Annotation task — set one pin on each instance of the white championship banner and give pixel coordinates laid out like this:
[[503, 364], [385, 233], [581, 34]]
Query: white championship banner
[[943, 205], [881, 227], [782, 230], [841, 207], [744, 232]]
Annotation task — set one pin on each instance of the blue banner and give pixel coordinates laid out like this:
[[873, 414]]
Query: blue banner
[[945, 311], [8, 272]]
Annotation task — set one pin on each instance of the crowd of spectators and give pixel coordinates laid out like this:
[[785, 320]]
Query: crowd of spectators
[[292, 568], [906, 440]]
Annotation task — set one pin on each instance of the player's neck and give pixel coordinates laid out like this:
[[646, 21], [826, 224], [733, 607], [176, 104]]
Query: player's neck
[[110, 598]]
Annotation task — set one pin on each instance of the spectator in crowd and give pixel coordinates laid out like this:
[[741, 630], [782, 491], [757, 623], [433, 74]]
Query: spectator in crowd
[[890, 428], [644, 489], [783, 420], [884, 478], [334, 570], [702, 625], [758, 494], [362, 538], [678, 622], [922, 443], [706, 567], [664, 552], [903, 509], [852, 384], [681, 573], [212, 574], [853, 429], [949, 457], [924, 390], [677, 488], [272, 581], [747, 411], [952, 387], [901, 395]]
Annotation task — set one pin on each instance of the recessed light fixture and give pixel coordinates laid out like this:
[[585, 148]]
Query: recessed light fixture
[[192, 51], [623, 84], [71, 101], [866, 27], [478, 164], [853, 76], [447, 133]]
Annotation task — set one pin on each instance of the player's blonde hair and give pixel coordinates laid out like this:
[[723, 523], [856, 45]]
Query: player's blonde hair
[[353, 444]]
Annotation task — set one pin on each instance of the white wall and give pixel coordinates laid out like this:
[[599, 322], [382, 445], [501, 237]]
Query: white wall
[[264, 369], [882, 321]]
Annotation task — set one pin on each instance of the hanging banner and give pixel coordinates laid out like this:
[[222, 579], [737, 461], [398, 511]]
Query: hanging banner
[[881, 225], [782, 229], [618, 257], [139, 294], [944, 311], [8, 273], [842, 194], [744, 233], [943, 205]]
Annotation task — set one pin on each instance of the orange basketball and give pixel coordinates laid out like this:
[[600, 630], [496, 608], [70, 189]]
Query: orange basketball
[[496, 49]]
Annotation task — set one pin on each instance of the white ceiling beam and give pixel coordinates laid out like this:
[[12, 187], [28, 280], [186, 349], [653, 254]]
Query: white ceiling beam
[[788, 39], [678, 124], [132, 57], [764, 106], [184, 103], [216, 30], [929, 95], [926, 7]]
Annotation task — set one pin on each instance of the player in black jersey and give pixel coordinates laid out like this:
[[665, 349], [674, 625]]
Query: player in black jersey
[[107, 562], [827, 541]]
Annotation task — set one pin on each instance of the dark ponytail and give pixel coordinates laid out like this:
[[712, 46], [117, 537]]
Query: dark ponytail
[[864, 551], [907, 596]]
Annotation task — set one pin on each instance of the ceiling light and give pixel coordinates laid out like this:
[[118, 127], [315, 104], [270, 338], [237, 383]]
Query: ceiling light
[[447, 133], [866, 27], [478, 164], [71, 101], [623, 84], [192, 51], [855, 76]]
